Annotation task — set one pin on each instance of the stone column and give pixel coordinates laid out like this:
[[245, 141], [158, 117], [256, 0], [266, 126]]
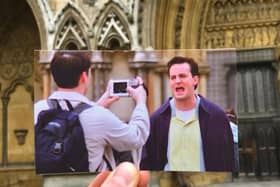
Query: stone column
[[45, 57], [100, 73], [107, 66], [96, 82], [142, 62], [46, 77], [5, 101], [90, 89], [100, 68], [277, 119], [202, 85], [142, 69], [143, 74], [277, 66]]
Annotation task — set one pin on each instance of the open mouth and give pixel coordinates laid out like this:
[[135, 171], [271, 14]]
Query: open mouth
[[180, 89]]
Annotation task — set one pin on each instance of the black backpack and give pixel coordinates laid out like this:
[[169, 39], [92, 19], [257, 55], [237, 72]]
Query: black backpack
[[59, 140]]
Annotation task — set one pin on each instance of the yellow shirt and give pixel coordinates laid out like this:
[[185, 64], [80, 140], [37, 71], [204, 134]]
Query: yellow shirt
[[184, 143]]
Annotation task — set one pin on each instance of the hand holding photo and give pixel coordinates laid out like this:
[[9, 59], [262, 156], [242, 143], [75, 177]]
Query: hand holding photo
[[119, 87]]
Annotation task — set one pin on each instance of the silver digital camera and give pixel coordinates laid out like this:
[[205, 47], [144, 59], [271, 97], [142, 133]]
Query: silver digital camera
[[118, 87]]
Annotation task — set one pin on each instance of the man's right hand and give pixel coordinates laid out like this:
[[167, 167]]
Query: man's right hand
[[106, 100], [138, 94]]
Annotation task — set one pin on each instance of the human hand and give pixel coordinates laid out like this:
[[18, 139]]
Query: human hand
[[125, 175], [139, 94], [106, 100]]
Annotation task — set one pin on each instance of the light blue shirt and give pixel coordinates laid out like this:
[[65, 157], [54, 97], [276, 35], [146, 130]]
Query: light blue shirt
[[103, 130], [234, 130]]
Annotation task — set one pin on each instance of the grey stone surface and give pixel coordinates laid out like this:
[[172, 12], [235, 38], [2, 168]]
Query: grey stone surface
[[249, 183], [67, 180]]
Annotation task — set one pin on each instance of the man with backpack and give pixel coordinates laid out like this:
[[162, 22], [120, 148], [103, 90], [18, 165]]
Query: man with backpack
[[102, 130]]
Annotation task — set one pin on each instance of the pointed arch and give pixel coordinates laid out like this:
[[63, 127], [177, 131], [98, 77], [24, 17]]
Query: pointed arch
[[112, 26], [29, 88], [72, 27], [43, 17]]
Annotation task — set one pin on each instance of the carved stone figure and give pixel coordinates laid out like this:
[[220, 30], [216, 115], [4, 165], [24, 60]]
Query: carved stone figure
[[277, 38]]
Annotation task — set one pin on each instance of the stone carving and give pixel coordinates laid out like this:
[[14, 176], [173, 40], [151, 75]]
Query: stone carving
[[178, 25], [8, 71], [243, 10], [25, 70], [16, 64], [277, 37], [89, 2], [242, 24], [215, 39], [71, 31], [113, 28]]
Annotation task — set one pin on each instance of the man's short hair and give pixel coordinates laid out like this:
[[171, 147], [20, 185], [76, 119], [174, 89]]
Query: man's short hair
[[181, 60], [67, 67]]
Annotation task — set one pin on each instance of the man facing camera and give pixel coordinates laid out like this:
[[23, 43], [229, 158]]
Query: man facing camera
[[103, 131], [188, 132]]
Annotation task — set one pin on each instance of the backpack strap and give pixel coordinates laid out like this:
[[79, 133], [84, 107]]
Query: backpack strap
[[108, 163], [69, 106], [53, 103], [81, 107]]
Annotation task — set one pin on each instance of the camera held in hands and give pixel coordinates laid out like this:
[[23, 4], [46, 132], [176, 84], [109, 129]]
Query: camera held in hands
[[118, 87]]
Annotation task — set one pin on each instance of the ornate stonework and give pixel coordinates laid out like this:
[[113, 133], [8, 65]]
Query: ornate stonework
[[71, 33], [113, 28], [18, 62], [242, 24], [178, 24]]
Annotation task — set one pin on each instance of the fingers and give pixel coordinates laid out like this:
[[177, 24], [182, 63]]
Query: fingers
[[125, 175], [144, 179], [108, 85], [138, 94], [99, 179], [110, 100], [140, 80], [113, 99], [130, 90]]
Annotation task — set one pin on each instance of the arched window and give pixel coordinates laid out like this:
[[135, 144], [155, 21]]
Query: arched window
[[114, 44], [71, 46]]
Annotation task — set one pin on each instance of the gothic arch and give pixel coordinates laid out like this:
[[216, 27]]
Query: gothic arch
[[72, 27], [40, 21], [29, 88], [112, 25], [146, 16], [177, 23], [188, 22]]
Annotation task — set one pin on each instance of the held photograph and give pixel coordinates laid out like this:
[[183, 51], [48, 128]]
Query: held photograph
[[162, 110], [127, 96]]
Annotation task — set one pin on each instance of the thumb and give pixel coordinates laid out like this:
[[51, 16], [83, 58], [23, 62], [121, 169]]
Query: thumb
[[130, 90], [125, 175]]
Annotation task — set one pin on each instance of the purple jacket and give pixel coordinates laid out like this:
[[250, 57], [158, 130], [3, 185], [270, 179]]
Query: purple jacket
[[215, 132]]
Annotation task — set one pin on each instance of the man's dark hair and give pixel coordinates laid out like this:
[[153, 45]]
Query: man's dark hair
[[181, 60], [67, 67]]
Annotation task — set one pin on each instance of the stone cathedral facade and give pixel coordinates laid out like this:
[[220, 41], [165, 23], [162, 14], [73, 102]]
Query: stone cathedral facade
[[236, 43]]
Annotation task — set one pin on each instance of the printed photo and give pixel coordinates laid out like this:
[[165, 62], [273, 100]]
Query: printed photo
[[163, 110]]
